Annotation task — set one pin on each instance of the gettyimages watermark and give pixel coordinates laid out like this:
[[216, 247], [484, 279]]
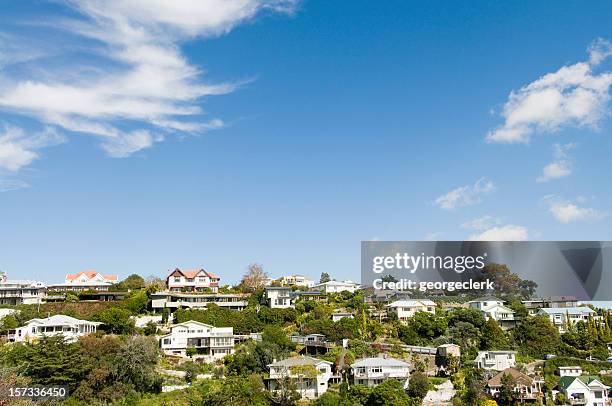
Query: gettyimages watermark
[[538, 268]]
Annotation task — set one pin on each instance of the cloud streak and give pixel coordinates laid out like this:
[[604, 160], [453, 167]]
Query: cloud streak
[[502, 233], [466, 195], [141, 87], [561, 166], [566, 211]]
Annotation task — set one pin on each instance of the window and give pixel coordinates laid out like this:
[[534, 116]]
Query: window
[[598, 395], [177, 279], [376, 370]]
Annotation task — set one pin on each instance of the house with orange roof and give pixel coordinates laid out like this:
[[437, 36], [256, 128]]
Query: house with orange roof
[[85, 280], [192, 280]]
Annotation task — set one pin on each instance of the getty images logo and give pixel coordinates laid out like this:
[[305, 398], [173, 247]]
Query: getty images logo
[[412, 263]]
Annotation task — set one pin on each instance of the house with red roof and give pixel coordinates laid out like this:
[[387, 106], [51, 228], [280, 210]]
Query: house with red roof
[[85, 280], [192, 280]]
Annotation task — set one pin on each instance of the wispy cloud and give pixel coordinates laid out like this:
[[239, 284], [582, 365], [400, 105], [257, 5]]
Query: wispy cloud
[[18, 149], [466, 195], [7, 185], [482, 223], [573, 95], [560, 167], [566, 211], [141, 86], [502, 233]]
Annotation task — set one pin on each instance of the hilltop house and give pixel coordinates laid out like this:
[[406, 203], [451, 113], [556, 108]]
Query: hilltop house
[[15, 292], [86, 280], [192, 280], [406, 309], [278, 297], [493, 308], [296, 280], [67, 326], [337, 316], [552, 301], [176, 300], [584, 390], [211, 343], [310, 375], [570, 371], [373, 371], [495, 360], [561, 317], [525, 387], [337, 286]]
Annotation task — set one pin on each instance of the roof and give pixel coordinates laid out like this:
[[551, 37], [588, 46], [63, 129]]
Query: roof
[[496, 352], [192, 273], [379, 361], [568, 310], [519, 377], [185, 323], [60, 319], [295, 361], [91, 273], [337, 283], [572, 367], [586, 380], [486, 299], [411, 303]]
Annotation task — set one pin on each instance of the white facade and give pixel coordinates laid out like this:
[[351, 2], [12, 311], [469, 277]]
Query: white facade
[[298, 370], [192, 280], [493, 308], [337, 286], [67, 326], [406, 309], [495, 360], [86, 280], [584, 391], [373, 371], [211, 343], [296, 280], [339, 316], [176, 300], [562, 316], [570, 371], [278, 297], [15, 292]]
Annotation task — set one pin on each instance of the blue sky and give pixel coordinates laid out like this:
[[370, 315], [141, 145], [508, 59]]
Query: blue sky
[[219, 133]]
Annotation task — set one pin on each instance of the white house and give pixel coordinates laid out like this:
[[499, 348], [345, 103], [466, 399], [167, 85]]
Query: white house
[[561, 317], [278, 297], [296, 280], [495, 360], [493, 308], [341, 315], [373, 371], [15, 292], [406, 309], [337, 286], [176, 300], [192, 280], [67, 326], [570, 371], [86, 280], [210, 343], [310, 375], [584, 390], [525, 387]]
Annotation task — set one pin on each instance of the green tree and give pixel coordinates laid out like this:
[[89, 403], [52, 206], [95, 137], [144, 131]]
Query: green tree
[[324, 277], [418, 385], [116, 321], [507, 396], [389, 393], [493, 337], [536, 336], [132, 282], [138, 302]]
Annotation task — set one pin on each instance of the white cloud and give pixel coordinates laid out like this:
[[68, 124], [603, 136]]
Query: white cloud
[[502, 233], [7, 185], [482, 223], [465, 195], [141, 85], [18, 149], [566, 211], [560, 167], [434, 235], [573, 95]]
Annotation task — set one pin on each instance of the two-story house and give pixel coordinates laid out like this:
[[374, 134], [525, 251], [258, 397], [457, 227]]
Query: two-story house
[[83, 281], [562, 317], [584, 390], [495, 360], [296, 280], [176, 300], [16, 292], [373, 371], [309, 375], [192, 280], [406, 309], [69, 327], [525, 388], [570, 371], [209, 343], [493, 308], [278, 297]]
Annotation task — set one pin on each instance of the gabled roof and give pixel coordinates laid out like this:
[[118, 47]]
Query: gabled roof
[[90, 274], [519, 377], [379, 361], [187, 323], [300, 360], [60, 319], [486, 299], [507, 309], [587, 381], [411, 303], [568, 310], [192, 273]]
